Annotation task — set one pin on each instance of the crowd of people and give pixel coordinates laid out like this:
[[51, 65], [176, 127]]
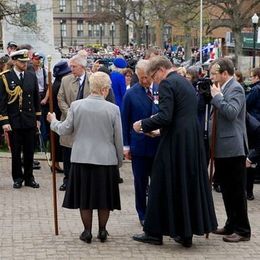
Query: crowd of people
[[169, 121]]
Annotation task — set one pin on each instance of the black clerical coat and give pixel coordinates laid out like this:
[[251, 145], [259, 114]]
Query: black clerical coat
[[180, 200]]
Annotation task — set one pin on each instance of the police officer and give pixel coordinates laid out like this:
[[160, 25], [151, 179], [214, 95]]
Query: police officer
[[20, 115]]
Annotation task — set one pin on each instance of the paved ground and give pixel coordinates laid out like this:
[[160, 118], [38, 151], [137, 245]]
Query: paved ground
[[27, 229]]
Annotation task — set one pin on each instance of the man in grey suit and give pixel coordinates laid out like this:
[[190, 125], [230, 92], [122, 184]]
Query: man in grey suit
[[228, 99], [74, 86]]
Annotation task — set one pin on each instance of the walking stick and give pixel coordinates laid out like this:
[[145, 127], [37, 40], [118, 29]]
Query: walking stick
[[212, 150], [53, 157]]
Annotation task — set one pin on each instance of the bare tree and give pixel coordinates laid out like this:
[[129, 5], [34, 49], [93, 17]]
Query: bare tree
[[178, 13], [14, 14], [233, 14]]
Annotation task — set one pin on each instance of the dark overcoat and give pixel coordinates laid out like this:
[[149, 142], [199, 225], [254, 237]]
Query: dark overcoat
[[180, 201]]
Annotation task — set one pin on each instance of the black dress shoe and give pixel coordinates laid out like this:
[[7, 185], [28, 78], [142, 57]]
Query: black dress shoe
[[145, 238], [36, 167], [222, 231], [120, 180], [184, 241], [35, 162], [250, 196], [86, 236], [32, 183], [17, 185], [217, 188], [102, 235], [63, 187]]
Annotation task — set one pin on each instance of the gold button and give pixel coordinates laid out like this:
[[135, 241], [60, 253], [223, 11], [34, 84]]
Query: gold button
[[30, 109]]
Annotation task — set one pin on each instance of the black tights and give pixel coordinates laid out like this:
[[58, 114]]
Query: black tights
[[86, 217]]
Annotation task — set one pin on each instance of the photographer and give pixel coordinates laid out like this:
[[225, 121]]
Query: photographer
[[202, 87]]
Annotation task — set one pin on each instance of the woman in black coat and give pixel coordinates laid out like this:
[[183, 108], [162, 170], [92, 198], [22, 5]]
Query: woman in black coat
[[60, 70]]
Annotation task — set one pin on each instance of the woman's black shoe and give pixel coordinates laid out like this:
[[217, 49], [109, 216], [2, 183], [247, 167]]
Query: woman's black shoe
[[186, 242], [102, 235], [86, 236]]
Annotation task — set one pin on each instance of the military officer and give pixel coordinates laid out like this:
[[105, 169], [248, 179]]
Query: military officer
[[20, 115]]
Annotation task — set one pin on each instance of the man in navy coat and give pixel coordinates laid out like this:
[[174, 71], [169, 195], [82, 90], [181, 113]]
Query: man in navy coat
[[140, 101]]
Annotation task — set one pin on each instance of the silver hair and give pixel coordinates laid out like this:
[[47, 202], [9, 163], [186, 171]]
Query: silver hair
[[79, 59], [99, 80], [142, 65]]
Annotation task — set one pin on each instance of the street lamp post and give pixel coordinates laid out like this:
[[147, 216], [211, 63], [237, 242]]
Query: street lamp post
[[112, 32], [101, 29], [201, 29], [127, 32], [255, 20], [61, 34], [146, 34]]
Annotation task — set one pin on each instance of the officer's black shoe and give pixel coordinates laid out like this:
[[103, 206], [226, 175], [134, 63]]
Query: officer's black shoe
[[32, 183], [35, 162], [36, 165], [17, 185]]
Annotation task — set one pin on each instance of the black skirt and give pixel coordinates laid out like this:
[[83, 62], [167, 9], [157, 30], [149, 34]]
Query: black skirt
[[92, 187]]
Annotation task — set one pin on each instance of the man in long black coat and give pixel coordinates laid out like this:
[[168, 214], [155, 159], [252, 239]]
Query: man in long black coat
[[180, 202]]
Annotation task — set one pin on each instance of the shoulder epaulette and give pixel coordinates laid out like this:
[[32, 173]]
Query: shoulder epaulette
[[3, 72]]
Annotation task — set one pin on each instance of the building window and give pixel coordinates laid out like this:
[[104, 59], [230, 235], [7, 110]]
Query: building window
[[79, 6], [62, 5], [94, 30], [92, 5], [80, 28], [64, 28]]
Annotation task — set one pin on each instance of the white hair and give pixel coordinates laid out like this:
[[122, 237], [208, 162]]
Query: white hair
[[142, 65], [79, 59]]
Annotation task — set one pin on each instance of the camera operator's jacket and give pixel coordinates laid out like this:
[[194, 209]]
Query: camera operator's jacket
[[231, 136]]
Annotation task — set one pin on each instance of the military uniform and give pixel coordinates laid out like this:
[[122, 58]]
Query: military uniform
[[20, 107]]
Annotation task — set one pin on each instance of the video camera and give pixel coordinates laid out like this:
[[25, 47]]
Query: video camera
[[203, 87]]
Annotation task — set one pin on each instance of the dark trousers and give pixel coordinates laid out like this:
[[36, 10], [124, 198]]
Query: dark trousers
[[232, 177], [22, 140], [250, 180], [45, 126], [141, 167], [66, 163]]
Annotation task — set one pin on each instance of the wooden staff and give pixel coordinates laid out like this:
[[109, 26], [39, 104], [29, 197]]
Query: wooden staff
[[53, 157]]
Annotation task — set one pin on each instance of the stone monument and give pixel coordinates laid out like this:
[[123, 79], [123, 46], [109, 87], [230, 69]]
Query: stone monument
[[39, 14]]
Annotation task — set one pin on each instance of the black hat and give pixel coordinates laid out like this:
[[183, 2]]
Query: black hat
[[61, 68], [21, 55], [11, 44]]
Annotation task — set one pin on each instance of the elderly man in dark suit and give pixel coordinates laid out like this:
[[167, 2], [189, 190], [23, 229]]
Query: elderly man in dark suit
[[139, 102], [230, 148], [20, 115]]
